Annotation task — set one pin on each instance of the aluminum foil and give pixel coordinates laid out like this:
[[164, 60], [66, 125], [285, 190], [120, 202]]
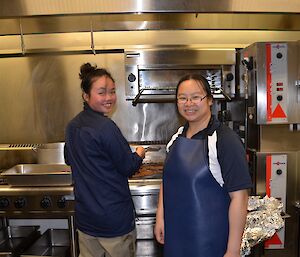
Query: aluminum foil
[[263, 220]]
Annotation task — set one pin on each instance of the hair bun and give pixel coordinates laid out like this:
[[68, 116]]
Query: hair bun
[[85, 69]]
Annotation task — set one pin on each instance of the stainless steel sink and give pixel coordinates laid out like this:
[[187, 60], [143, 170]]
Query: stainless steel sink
[[54, 242], [38, 175], [14, 240]]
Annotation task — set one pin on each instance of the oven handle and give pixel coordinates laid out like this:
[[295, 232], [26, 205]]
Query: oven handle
[[137, 97]]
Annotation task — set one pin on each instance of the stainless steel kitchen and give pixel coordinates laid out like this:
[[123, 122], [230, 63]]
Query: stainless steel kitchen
[[248, 51]]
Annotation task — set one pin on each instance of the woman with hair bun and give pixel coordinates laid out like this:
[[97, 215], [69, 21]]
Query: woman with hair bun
[[101, 162]]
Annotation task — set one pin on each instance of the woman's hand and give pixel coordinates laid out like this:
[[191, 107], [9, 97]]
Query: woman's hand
[[159, 230], [140, 151], [237, 220]]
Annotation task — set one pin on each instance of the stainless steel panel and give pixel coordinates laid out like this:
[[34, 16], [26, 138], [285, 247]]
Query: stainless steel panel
[[37, 202], [14, 240], [145, 203], [150, 21], [37, 206], [59, 200], [52, 153], [37, 7], [145, 195], [144, 227], [147, 186], [54, 242], [148, 248], [32, 191], [279, 138], [38, 175], [180, 57]]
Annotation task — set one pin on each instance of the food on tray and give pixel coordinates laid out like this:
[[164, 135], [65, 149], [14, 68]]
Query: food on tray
[[148, 170]]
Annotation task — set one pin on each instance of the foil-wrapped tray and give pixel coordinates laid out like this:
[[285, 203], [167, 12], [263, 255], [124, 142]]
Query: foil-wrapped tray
[[263, 220], [38, 175]]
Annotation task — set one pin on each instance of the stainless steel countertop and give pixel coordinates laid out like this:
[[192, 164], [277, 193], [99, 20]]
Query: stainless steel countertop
[[136, 186]]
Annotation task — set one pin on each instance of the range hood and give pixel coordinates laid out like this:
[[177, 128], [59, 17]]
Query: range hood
[[63, 16], [21, 8]]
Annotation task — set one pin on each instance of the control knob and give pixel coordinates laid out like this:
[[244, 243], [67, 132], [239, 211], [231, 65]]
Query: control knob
[[61, 203], [20, 202], [4, 202], [229, 77], [45, 202], [279, 55], [279, 98], [131, 77]]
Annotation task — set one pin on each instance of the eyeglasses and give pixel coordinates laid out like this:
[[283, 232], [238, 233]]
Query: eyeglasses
[[194, 99]]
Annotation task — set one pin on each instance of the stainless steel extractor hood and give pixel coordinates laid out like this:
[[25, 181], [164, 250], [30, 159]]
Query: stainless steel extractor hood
[[17, 8], [64, 16]]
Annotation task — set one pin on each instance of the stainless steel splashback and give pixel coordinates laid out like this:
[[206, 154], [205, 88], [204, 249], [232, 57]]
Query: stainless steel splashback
[[41, 93]]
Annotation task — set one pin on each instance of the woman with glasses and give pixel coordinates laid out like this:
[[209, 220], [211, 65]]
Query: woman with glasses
[[101, 162], [203, 198]]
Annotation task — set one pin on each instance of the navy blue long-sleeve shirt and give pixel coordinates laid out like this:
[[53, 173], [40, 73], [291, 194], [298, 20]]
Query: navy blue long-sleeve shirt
[[101, 161]]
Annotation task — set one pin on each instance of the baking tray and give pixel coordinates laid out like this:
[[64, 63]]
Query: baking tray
[[15, 239], [54, 242], [38, 175]]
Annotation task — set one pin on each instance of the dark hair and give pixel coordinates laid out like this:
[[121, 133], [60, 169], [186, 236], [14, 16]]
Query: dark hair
[[198, 78], [89, 73]]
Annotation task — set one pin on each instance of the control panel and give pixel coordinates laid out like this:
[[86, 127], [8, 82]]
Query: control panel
[[277, 82], [19, 204], [269, 80], [276, 186]]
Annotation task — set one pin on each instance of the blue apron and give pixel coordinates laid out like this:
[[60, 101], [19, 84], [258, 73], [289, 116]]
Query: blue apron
[[195, 205]]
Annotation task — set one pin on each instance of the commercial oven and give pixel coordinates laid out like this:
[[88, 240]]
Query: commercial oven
[[269, 83], [152, 74]]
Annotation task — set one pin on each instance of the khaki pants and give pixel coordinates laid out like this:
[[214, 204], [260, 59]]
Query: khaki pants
[[121, 246]]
